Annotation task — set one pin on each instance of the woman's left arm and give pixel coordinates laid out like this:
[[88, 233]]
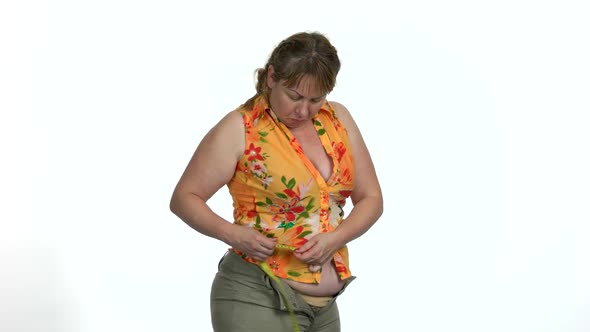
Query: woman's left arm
[[366, 198], [366, 195]]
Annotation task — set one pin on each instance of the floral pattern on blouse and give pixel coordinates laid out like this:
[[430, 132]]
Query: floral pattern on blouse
[[278, 191]]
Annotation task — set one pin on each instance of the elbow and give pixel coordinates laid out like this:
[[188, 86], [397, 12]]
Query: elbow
[[183, 201], [379, 206], [174, 203]]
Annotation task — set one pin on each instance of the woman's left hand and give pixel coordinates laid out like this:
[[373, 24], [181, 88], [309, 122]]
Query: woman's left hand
[[318, 250]]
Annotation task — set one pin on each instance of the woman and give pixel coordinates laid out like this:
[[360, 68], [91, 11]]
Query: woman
[[286, 156]]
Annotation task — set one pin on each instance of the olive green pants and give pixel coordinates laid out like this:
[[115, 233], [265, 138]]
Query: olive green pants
[[245, 299]]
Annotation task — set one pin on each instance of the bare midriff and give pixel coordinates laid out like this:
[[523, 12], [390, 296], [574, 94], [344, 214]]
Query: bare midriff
[[330, 283]]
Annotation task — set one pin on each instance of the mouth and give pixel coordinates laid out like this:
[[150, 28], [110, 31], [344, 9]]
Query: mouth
[[299, 121]]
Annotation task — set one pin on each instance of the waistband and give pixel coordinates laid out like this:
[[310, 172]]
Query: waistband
[[233, 266]]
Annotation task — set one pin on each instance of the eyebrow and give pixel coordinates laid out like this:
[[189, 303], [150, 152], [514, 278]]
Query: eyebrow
[[300, 95]]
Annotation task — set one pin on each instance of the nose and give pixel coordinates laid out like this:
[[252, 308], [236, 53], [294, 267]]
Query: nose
[[303, 110]]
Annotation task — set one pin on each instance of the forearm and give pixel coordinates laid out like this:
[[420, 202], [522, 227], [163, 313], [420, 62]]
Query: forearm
[[195, 212], [364, 214]]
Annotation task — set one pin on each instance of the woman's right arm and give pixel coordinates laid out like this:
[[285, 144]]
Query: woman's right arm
[[212, 166]]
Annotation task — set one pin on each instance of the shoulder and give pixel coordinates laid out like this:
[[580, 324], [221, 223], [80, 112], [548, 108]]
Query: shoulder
[[228, 133], [342, 114], [230, 124], [233, 119]]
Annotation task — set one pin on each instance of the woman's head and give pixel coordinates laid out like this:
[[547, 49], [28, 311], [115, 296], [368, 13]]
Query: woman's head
[[303, 56]]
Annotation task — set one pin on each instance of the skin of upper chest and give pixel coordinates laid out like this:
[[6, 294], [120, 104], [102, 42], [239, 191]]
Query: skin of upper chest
[[313, 149]]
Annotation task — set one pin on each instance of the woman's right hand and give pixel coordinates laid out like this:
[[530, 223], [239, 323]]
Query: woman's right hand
[[252, 243]]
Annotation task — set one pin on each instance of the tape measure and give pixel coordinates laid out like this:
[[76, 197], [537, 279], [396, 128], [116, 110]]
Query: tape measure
[[266, 268]]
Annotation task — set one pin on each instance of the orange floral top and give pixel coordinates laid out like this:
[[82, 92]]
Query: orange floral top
[[278, 191]]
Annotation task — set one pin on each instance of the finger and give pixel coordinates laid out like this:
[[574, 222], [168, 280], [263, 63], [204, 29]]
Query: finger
[[306, 247], [265, 250], [307, 257], [262, 254], [314, 268], [268, 242]]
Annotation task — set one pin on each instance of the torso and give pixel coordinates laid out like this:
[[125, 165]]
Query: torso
[[318, 167], [330, 283]]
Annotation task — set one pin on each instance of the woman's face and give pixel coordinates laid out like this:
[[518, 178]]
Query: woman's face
[[296, 106]]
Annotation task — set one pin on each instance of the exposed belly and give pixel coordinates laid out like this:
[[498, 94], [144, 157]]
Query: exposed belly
[[329, 285]]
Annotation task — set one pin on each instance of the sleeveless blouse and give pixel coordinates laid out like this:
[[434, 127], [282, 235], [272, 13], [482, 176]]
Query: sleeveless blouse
[[278, 191]]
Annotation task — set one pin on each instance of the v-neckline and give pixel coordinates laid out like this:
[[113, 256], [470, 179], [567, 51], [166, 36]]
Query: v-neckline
[[296, 147]]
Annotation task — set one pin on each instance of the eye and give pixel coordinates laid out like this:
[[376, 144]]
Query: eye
[[294, 97]]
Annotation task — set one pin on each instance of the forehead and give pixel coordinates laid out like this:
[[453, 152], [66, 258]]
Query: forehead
[[307, 87]]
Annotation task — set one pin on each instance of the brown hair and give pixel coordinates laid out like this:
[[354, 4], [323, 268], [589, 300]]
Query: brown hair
[[304, 53]]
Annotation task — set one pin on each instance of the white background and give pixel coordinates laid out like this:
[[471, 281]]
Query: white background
[[476, 113]]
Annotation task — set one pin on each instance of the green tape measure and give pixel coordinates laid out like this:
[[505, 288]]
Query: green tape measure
[[264, 266]]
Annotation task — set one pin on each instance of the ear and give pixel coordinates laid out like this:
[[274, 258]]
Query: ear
[[270, 82]]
